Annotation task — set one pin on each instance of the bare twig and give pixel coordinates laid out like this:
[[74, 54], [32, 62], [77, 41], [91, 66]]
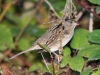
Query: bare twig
[[51, 7], [53, 16], [3, 69], [10, 72], [79, 15], [6, 8], [68, 70], [93, 12], [52, 61], [91, 21], [45, 62]]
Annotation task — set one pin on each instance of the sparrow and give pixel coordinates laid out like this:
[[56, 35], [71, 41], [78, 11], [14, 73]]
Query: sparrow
[[65, 28]]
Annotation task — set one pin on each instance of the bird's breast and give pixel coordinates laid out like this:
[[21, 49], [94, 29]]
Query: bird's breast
[[66, 39]]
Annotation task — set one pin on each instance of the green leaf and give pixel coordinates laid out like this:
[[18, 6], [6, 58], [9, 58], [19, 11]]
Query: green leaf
[[95, 55], [98, 10], [44, 46], [97, 72], [23, 43], [94, 36], [42, 67], [86, 71], [66, 51], [6, 40], [88, 50], [95, 1], [76, 63], [66, 57], [36, 66], [65, 61], [79, 39]]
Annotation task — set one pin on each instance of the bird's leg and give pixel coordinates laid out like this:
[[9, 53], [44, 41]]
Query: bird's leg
[[58, 57]]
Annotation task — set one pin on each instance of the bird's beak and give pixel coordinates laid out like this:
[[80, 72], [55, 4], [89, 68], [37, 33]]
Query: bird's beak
[[77, 24]]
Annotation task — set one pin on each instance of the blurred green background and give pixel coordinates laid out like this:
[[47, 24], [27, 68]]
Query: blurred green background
[[22, 24]]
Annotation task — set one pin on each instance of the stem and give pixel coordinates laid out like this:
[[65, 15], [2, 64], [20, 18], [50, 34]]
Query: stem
[[91, 21], [68, 71], [45, 62], [85, 7], [52, 61], [51, 7], [5, 10], [79, 15]]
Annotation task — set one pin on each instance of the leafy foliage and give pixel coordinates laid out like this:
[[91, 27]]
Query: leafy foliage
[[66, 57], [6, 40], [38, 66], [66, 51], [94, 36], [98, 10], [97, 72], [86, 51], [87, 71], [95, 1], [76, 63], [80, 39], [23, 43], [65, 61]]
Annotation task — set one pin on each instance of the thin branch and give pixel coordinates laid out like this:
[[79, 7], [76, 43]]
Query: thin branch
[[53, 67], [79, 15], [4, 69], [45, 62], [93, 12], [48, 50], [68, 71], [10, 72], [91, 21], [6, 8], [51, 7]]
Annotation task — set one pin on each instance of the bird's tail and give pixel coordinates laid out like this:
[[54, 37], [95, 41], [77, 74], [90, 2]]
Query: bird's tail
[[30, 49]]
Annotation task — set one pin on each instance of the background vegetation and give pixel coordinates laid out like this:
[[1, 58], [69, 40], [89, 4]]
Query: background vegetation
[[23, 21]]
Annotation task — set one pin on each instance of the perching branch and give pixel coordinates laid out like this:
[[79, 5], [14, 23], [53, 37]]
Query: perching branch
[[51, 7]]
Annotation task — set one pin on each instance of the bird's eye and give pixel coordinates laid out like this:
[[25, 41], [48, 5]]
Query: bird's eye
[[73, 20]]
